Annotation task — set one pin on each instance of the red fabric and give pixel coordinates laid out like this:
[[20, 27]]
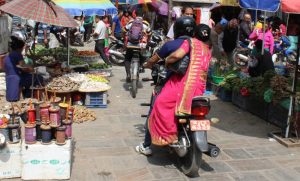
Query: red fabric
[[125, 20], [198, 16], [290, 6], [39, 11], [2, 2]]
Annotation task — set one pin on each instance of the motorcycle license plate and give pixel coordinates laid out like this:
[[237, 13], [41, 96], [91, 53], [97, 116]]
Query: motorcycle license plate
[[200, 125]]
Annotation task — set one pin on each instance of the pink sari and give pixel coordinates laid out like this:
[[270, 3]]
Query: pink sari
[[176, 96]]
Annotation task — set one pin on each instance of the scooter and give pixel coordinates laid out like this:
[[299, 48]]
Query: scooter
[[192, 129]]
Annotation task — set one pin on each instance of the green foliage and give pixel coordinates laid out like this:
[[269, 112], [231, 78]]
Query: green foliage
[[76, 61], [279, 85], [99, 66]]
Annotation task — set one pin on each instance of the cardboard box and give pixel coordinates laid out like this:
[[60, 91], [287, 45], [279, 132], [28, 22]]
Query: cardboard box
[[10, 161], [46, 161]]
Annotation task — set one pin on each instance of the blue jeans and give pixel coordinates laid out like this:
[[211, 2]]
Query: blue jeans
[[147, 139]]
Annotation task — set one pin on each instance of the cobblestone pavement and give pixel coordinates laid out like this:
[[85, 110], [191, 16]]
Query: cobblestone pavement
[[104, 149]]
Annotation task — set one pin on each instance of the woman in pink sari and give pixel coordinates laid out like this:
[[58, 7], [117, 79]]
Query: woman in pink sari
[[176, 96]]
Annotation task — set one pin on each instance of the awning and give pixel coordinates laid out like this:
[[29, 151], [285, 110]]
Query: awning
[[229, 2], [263, 5], [290, 6]]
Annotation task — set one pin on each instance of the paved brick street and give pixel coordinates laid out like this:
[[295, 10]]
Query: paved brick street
[[104, 149]]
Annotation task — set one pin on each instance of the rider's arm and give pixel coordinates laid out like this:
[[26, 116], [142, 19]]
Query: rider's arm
[[178, 54], [151, 61]]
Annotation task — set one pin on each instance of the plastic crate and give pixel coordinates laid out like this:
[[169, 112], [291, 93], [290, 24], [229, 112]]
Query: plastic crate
[[225, 95], [96, 100], [258, 107], [239, 100], [278, 116]]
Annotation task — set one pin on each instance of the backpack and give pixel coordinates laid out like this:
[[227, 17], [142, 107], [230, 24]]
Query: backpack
[[135, 33]]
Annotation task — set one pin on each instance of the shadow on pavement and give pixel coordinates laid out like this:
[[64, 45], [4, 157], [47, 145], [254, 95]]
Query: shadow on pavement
[[235, 120]]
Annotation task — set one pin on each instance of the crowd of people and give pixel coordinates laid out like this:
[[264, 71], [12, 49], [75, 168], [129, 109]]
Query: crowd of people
[[219, 39], [229, 35]]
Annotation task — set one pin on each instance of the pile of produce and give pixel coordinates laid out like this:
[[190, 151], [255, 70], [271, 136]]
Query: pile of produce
[[86, 53], [82, 114], [280, 88], [2, 85], [62, 84], [97, 78], [76, 61], [93, 87], [46, 60], [77, 77], [56, 72], [60, 54], [100, 66]]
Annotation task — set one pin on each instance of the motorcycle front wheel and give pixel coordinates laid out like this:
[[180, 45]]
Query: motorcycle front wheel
[[191, 162]]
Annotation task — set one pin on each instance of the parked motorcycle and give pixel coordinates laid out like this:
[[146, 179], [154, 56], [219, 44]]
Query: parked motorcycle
[[76, 38], [157, 39], [192, 129], [280, 51], [116, 52]]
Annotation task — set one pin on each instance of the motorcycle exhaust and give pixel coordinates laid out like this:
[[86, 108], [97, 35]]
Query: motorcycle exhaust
[[243, 57], [146, 79], [213, 150], [145, 104], [117, 54]]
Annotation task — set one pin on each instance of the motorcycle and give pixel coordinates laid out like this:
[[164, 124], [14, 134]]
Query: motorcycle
[[281, 53], [76, 38], [139, 52], [116, 52], [156, 40], [192, 129]]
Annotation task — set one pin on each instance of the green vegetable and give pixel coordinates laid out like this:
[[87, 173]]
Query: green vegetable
[[99, 66]]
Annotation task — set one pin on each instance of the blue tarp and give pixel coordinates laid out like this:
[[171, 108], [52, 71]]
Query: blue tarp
[[263, 5]]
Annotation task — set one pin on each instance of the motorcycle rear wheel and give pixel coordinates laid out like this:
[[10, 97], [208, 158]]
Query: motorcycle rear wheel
[[134, 77], [191, 162], [134, 84]]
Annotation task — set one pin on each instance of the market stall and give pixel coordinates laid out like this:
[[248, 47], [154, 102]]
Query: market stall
[[31, 130], [273, 95]]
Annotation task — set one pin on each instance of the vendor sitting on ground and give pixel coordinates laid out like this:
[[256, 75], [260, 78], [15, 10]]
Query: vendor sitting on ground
[[261, 62]]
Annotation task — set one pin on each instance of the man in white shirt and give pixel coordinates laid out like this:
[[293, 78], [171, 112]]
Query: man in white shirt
[[99, 36], [186, 11]]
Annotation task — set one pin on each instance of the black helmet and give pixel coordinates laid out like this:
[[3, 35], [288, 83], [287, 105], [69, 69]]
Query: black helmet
[[202, 32], [184, 26], [261, 18]]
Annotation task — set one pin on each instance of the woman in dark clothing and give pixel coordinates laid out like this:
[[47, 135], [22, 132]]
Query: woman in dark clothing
[[263, 62], [14, 66]]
